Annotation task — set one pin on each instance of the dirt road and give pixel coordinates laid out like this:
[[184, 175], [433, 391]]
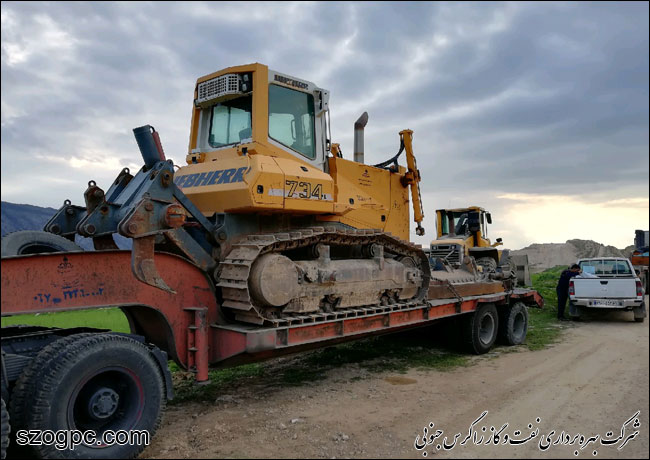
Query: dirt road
[[591, 384]]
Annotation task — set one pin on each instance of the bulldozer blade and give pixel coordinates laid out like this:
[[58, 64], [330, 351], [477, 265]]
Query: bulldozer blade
[[143, 265]]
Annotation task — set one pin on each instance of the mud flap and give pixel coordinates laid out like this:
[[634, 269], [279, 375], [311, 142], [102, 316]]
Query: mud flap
[[640, 311], [574, 311]]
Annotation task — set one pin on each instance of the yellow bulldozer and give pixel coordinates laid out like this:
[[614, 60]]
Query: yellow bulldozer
[[462, 232], [265, 242], [268, 207], [265, 204], [261, 156]]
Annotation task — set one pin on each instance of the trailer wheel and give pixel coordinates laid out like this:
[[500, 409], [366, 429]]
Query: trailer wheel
[[480, 329], [101, 382], [6, 429], [514, 324], [35, 242], [24, 388]]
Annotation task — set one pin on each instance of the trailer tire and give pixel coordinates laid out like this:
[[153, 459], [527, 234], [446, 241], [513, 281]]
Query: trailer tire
[[513, 324], [480, 329], [488, 264], [6, 429], [101, 382], [35, 242], [23, 390]]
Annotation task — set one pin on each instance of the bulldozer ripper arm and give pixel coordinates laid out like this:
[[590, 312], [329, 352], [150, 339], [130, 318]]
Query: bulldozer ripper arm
[[412, 179], [148, 208], [143, 265]]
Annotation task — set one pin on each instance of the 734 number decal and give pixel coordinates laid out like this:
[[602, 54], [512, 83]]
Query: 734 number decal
[[304, 190]]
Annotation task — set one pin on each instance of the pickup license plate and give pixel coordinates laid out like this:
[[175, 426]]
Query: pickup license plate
[[612, 303]]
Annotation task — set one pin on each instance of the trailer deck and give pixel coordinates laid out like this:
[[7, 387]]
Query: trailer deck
[[182, 324]]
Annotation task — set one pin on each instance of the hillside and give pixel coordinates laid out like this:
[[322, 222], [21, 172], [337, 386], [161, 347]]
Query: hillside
[[17, 217], [23, 217], [543, 256]]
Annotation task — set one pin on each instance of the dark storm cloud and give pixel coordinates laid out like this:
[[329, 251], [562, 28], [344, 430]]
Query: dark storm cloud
[[554, 99], [530, 97]]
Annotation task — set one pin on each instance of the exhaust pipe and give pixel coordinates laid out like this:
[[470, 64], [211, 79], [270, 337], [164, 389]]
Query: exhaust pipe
[[149, 145], [359, 125]]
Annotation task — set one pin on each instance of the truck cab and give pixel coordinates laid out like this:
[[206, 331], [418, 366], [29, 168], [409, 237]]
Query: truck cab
[[607, 283]]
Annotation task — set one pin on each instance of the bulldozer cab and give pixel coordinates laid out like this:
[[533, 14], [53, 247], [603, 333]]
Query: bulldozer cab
[[260, 143], [253, 108], [462, 233], [463, 223]]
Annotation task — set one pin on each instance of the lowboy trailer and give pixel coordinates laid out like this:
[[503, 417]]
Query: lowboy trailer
[[267, 241], [188, 327]]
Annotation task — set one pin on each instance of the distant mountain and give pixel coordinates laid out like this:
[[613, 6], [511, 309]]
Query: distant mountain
[[23, 217], [17, 217], [547, 255], [540, 256]]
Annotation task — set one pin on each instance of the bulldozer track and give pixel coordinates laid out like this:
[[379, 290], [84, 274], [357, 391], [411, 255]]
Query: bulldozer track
[[234, 271], [351, 312]]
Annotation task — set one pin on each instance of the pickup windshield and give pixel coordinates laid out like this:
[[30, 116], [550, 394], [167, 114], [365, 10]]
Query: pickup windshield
[[606, 267]]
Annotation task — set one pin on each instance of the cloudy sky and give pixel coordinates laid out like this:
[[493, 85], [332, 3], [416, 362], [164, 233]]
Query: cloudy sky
[[536, 111]]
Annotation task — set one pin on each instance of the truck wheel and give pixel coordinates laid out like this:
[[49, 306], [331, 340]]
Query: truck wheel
[[513, 324], [480, 329], [488, 264], [24, 387], [35, 242], [6, 429], [101, 382]]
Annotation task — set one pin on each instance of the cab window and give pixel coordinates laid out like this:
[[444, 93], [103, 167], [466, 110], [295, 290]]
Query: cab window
[[291, 119], [230, 122]]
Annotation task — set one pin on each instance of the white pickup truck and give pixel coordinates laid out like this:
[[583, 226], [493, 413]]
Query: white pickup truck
[[606, 283]]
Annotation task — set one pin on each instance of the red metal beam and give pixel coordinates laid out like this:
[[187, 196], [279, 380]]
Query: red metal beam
[[86, 280], [529, 294], [234, 340]]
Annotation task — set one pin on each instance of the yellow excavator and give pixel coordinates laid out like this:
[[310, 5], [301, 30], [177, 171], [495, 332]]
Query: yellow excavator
[[462, 233]]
